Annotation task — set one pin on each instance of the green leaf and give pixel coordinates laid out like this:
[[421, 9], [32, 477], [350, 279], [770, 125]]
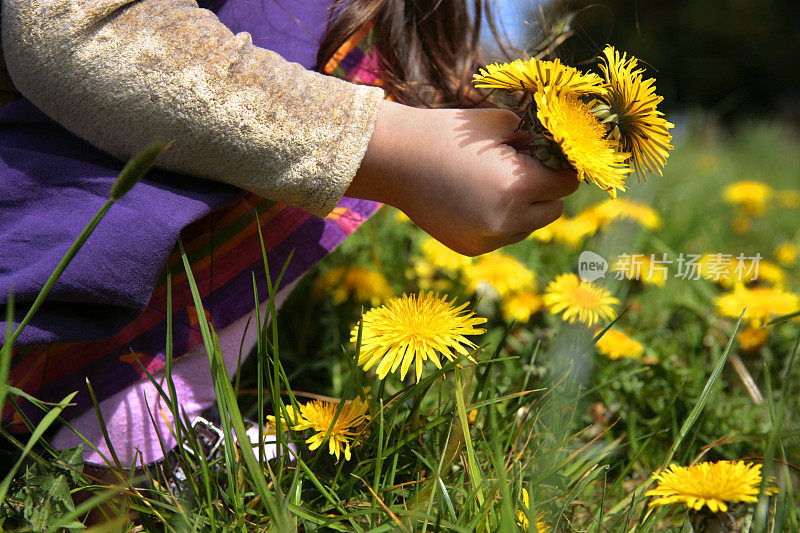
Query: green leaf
[[48, 419], [71, 460], [58, 489]]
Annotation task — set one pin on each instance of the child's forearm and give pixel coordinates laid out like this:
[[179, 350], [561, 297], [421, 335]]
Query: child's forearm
[[121, 73]]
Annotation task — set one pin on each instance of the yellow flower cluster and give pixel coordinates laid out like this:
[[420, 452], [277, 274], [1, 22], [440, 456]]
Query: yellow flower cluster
[[408, 331], [751, 199], [521, 306], [498, 275], [605, 127], [535, 75], [438, 266], [572, 231], [756, 286], [757, 289], [630, 210], [583, 139], [442, 257], [492, 277], [760, 304]]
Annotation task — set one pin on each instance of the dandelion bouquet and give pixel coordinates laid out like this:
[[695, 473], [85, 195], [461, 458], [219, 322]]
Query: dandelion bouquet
[[605, 127]]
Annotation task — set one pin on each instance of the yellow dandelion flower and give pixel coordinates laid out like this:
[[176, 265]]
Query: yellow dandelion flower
[[592, 219], [714, 485], [497, 275], [520, 306], [580, 301], [751, 339], [348, 431], [536, 74], [770, 273], [521, 516], [570, 231], [632, 107], [615, 344], [412, 329], [624, 209], [750, 195], [443, 257], [356, 282], [293, 419], [583, 140], [786, 253], [759, 304]]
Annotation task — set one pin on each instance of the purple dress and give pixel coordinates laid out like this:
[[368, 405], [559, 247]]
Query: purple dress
[[52, 183]]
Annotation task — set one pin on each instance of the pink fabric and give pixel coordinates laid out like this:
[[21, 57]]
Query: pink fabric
[[131, 431]]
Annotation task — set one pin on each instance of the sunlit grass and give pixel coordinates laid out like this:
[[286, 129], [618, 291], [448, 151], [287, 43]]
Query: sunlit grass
[[539, 408]]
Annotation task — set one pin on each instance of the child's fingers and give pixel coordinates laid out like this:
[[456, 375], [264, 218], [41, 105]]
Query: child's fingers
[[545, 183], [543, 213], [498, 230], [539, 215], [560, 186]]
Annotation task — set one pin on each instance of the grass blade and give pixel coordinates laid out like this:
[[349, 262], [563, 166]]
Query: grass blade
[[48, 419]]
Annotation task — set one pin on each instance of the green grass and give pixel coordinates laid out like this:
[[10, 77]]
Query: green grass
[[582, 434]]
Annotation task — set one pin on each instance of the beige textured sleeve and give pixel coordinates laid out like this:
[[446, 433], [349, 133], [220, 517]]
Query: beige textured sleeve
[[122, 73]]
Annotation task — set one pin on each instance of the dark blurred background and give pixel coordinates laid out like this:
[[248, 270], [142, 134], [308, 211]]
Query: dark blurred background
[[734, 58]]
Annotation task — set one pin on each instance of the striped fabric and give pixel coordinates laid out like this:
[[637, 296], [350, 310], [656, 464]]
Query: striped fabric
[[225, 253]]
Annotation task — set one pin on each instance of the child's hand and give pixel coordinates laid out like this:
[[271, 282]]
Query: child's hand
[[457, 175]]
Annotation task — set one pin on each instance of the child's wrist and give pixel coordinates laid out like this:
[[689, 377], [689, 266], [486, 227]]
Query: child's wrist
[[381, 172]]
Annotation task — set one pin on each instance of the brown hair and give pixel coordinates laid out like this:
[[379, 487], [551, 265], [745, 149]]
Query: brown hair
[[429, 48]]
